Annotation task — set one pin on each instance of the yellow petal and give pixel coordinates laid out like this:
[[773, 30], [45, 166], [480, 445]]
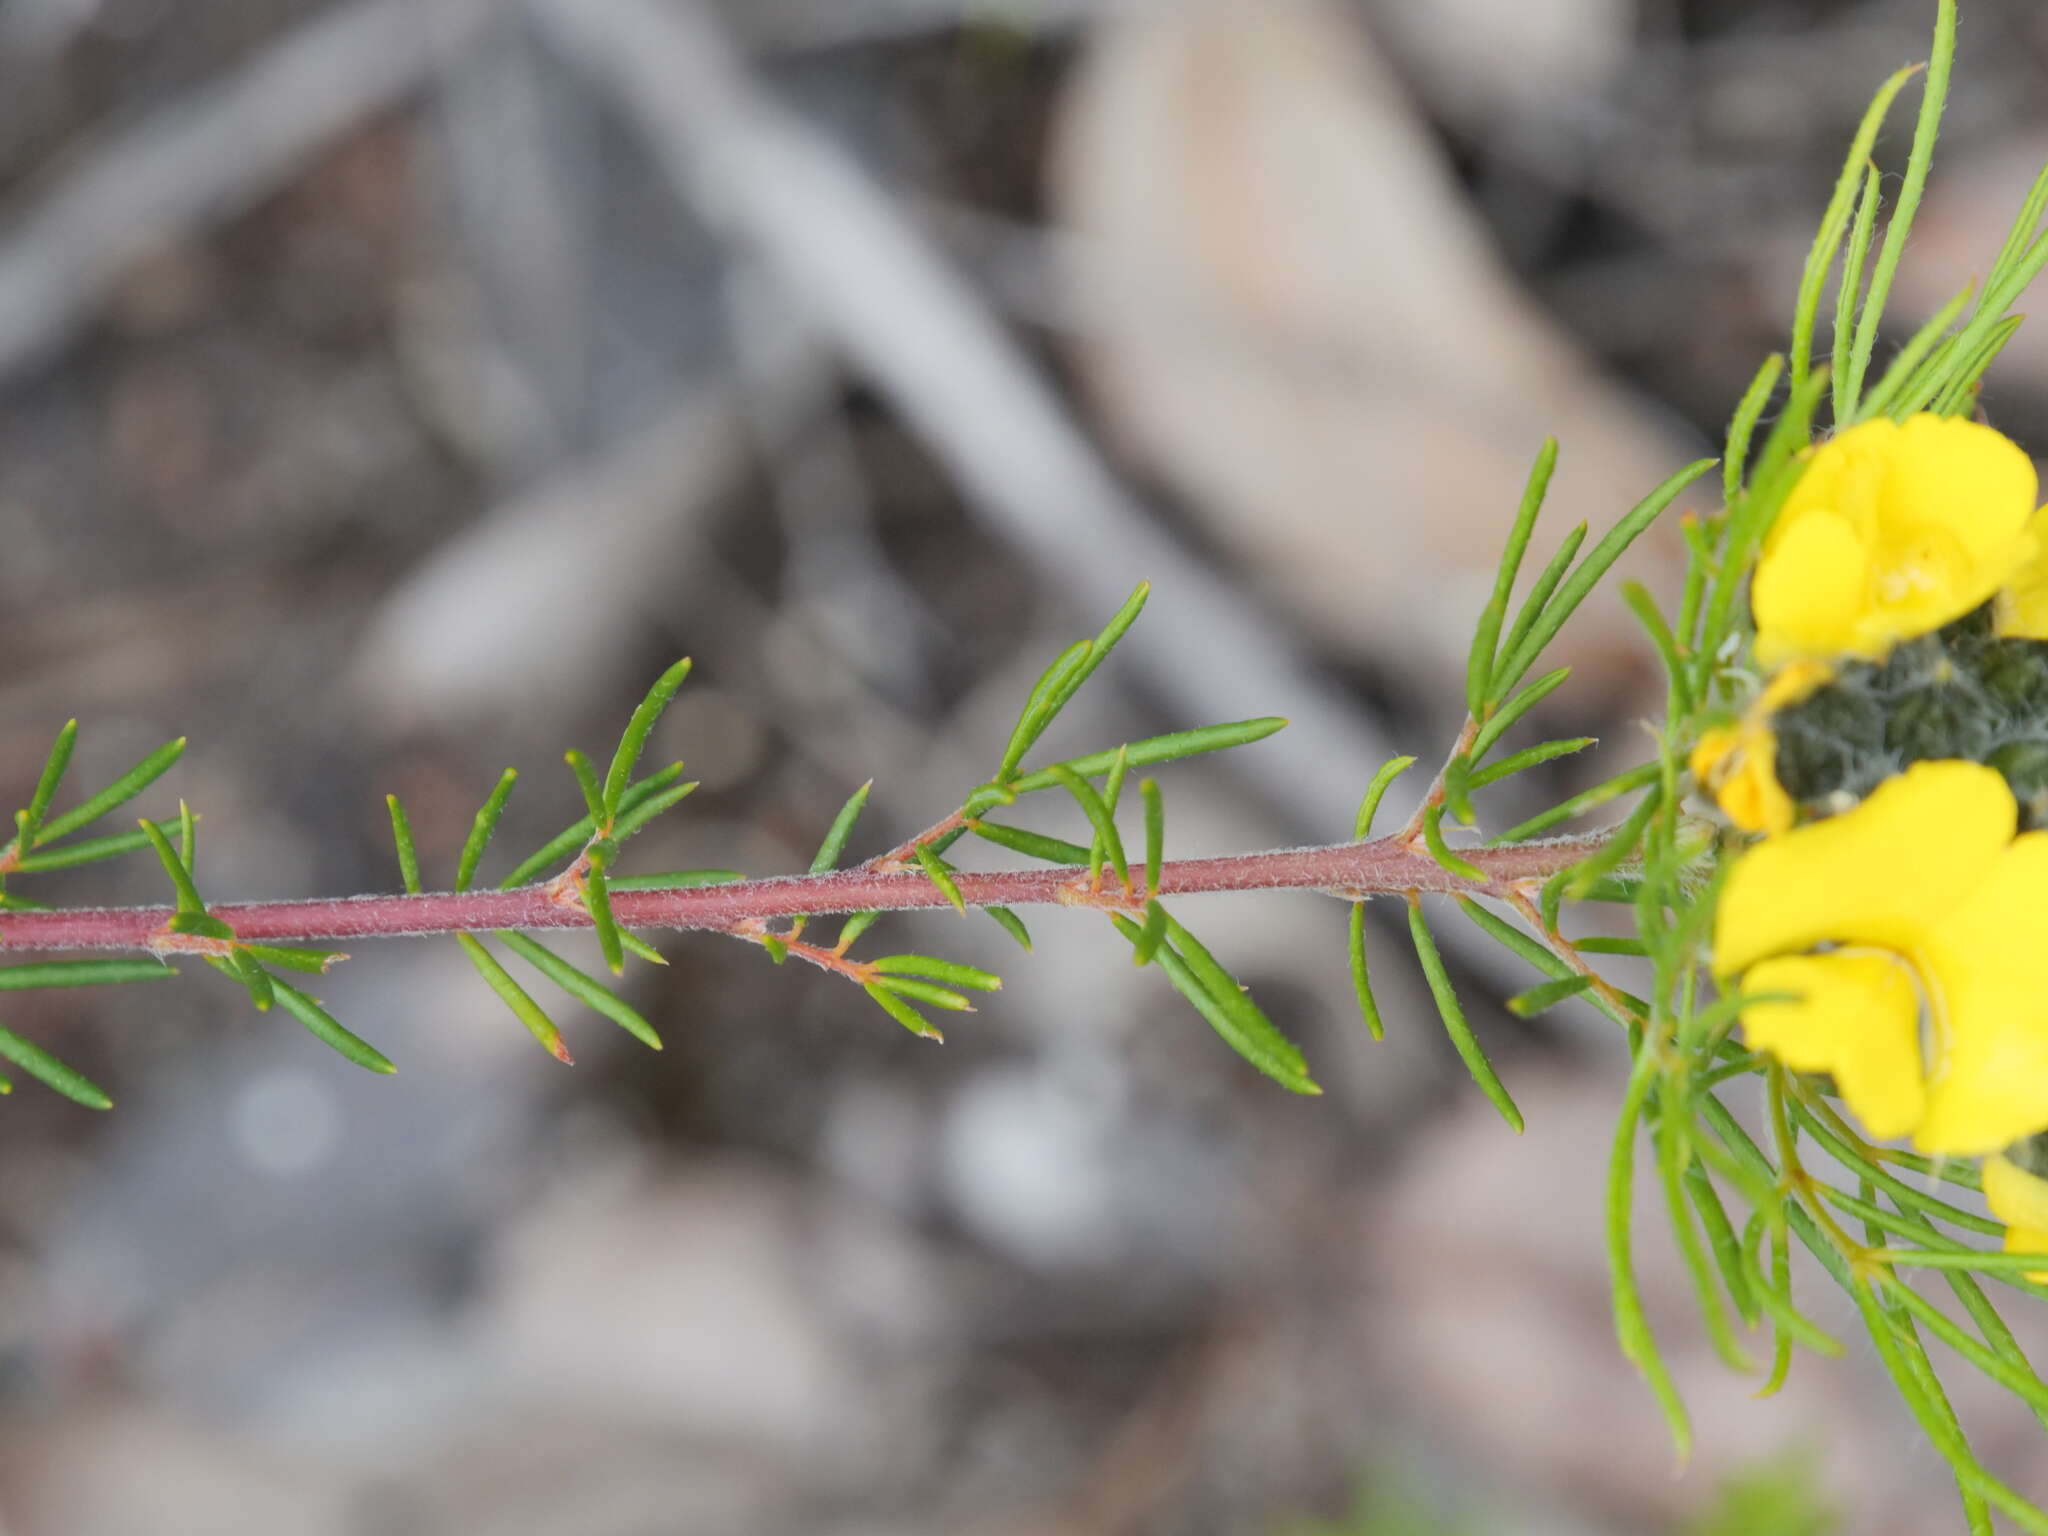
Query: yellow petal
[[1880, 874], [1892, 531], [1858, 1017], [2022, 611], [1811, 591], [2020, 1200], [1983, 964], [1738, 766]]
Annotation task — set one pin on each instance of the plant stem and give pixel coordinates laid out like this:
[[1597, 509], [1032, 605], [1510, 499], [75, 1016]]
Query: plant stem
[[1384, 866]]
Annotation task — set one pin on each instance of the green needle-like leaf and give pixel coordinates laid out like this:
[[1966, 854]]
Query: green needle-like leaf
[[593, 793], [1158, 749], [1849, 290], [181, 877], [1742, 426], [1580, 583], [81, 973], [924, 992], [1011, 924], [1104, 643], [1503, 719], [638, 729], [1233, 1015], [597, 901], [1361, 978], [1599, 795], [91, 850], [514, 996], [952, 972], [1151, 935], [856, 925], [901, 1011], [1443, 852], [675, 880], [293, 957], [1631, 1323], [1530, 757], [1644, 607], [482, 827], [571, 838], [120, 792], [1155, 831], [1479, 664], [1033, 845], [1453, 1013], [1534, 604], [46, 786], [1542, 998], [1099, 817], [1039, 706], [329, 1030], [1390, 770], [1230, 1010], [52, 1073], [587, 990], [842, 828], [408, 855], [631, 821], [241, 965], [940, 875]]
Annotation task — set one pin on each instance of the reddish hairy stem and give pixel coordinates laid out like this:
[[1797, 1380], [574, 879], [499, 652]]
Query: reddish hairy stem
[[1385, 865]]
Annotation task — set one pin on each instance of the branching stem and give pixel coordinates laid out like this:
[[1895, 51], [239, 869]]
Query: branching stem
[[1383, 866]]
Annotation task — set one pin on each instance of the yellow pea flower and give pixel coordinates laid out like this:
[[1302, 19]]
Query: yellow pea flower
[[2020, 1200], [1738, 764], [1919, 895], [1894, 529]]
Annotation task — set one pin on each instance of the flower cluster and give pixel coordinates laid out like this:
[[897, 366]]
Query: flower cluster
[[1888, 927]]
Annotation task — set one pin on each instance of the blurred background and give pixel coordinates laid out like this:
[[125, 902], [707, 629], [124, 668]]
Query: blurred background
[[390, 388]]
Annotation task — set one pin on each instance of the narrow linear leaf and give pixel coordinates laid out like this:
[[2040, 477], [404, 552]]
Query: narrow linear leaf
[[1155, 831], [52, 1073], [1099, 817], [925, 992], [1504, 719], [1217, 1012], [1742, 426], [1479, 663], [1547, 995], [1033, 845], [46, 786], [1723, 1243], [1011, 924], [1455, 1023], [91, 850], [329, 1031], [515, 997], [1159, 749], [1828, 239], [639, 815], [1849, 290], [1644, 607], [1587, 800], [480, 829], [1534, 603], [1231, 1010], [120, 792], [936, 871], [1390, 770], [1112, 793], [1443, 852], [188, 838], [1890, 396], [638, 947], [587, 990], [1039, 706], [1530, 757], [181, 877], [778, 949], [573, 837], [638, 729], [951, 972], [1361, 979], [294, 957], [242, 966], [856, 925], [1631, 1323], [827, 856], [408, 855], [586, 781], [1104, 643], [81, 973], [1599, 560], [1150, 935], [675, 880], [902, 1012], [597, 901]]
